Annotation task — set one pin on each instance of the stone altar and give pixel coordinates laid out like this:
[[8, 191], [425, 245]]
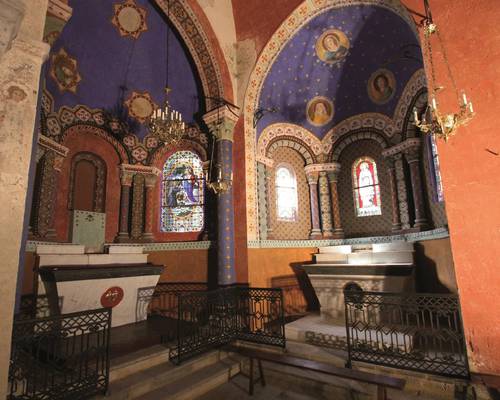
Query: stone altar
[[76, 281], [383, 267]]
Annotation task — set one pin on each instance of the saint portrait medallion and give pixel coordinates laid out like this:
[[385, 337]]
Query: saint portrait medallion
[[332, 46], [140, 106], [64, 71], [381, 86], [319, 111], [129, 19]]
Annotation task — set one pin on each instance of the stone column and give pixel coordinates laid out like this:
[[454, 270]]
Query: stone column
[[150, 184], [20, 64], [269, 175], [396, 223], [338, 231], [413, 157], [221, 122], [126, 182], [46, 197], [324, 201], [312, 181], [404, 215]]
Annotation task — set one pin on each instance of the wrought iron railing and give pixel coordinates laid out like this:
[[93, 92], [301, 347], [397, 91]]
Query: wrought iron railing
[[419, 332], [165, 297], [60, 357], [212, 318], [35, 306], [295, 304]]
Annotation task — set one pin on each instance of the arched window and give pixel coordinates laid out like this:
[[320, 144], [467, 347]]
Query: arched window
[[366, 188], [286, 193], [182, 193]]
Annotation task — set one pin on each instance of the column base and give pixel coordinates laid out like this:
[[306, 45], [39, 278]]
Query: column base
[[328, 235], [396, 227], [315, 234], [421, 225], [147, 237], [338, 234], [123, 237]]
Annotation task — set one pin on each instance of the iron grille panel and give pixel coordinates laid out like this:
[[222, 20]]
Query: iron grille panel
[[418, 332], [213, 318], [60, 357]]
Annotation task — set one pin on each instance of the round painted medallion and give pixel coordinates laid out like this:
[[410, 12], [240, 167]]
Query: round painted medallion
[[129, 19], [112, 297]]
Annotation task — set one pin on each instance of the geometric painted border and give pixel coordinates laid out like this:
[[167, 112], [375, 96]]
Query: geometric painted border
[[439, 233], [148, 247]]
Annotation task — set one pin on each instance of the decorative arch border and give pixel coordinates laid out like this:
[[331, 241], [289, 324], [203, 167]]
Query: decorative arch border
[[99, 132], [162, 153], [361, 134], [416, 84], [207, 54], [302, 135], [306, 11], [294, 144]]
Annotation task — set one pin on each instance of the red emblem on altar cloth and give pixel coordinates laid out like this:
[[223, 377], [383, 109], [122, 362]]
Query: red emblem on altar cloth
[[112, 297]]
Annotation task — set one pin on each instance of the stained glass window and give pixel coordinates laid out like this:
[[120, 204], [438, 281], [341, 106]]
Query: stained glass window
[[182, 193], [286, 193], [366, 187], [438, 184]]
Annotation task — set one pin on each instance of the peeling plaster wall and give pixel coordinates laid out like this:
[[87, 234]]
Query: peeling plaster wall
[[220, 16]]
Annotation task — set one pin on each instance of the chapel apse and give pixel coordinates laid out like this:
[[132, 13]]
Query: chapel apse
[[340, 56]]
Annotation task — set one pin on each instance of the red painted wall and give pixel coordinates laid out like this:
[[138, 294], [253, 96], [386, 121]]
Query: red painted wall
[[469, 165], [79, 141]]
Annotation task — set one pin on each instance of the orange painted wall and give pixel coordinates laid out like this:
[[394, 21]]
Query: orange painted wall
[[263, 264], [182, 265], [470, 31]]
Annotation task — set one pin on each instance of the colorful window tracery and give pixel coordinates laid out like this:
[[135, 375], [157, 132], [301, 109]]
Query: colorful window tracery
[[366, 188], [182, 193], [286, 193]]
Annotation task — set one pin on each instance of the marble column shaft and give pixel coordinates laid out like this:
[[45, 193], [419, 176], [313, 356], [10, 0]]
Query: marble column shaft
[[312, 180], [404, 215], [324, 201], [269, 174], [396, 223], [148, 208], [126, 183], [338, 231], [413, 158]]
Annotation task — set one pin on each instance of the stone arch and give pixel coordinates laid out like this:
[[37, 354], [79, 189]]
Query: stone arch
[[306, 11], [419, 101], [80, 128], [359, 134], [158, 158], [362, 122], [196, 32], [293, 143]]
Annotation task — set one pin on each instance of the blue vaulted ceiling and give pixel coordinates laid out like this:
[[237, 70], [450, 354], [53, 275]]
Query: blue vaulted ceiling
[[378, 38], [107, 60]]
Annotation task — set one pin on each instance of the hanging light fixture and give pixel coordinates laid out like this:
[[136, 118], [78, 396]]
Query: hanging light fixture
[[166, 123], [434, 121]]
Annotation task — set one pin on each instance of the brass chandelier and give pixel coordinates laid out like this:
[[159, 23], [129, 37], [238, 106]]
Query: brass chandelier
[[166, 123], [434, 121]]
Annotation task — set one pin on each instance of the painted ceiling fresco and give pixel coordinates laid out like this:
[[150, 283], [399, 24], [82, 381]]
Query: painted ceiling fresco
[[346, 61], [107, 45]]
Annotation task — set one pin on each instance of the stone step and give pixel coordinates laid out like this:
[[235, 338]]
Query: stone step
[[136, 385], [197, 383], [129, 364]]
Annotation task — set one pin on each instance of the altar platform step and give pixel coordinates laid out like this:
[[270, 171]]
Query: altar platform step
[[366, 257], [148, 374]]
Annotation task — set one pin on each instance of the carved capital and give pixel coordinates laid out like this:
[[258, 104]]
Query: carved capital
[[409, 145], [221, 122], [48, 144]]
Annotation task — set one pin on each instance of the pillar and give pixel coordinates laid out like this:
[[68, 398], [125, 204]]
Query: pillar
[[126, 183], [312, 181], [20, 64], [413, 157], [404, 216], [324, 202], [338, 231], [396, 223], [221, 122], [269, 176], [150, 184]]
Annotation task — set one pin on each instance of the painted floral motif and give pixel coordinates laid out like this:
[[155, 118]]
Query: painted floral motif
[[129, 19]]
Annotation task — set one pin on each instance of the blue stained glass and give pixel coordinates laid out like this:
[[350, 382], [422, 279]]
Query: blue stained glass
[[182, 193]]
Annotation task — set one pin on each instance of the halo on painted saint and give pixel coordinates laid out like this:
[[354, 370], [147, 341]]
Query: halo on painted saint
[[332, 46], [320, 111], [381, 86]]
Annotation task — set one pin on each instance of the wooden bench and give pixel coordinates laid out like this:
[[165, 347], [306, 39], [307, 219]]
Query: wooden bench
[[381, 381]]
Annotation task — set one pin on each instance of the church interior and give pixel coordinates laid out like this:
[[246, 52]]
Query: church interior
[[286, 199]]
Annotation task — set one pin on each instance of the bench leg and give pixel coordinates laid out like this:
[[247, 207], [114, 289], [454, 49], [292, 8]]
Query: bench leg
[[261, 373], [381, 393], [250, 382]]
